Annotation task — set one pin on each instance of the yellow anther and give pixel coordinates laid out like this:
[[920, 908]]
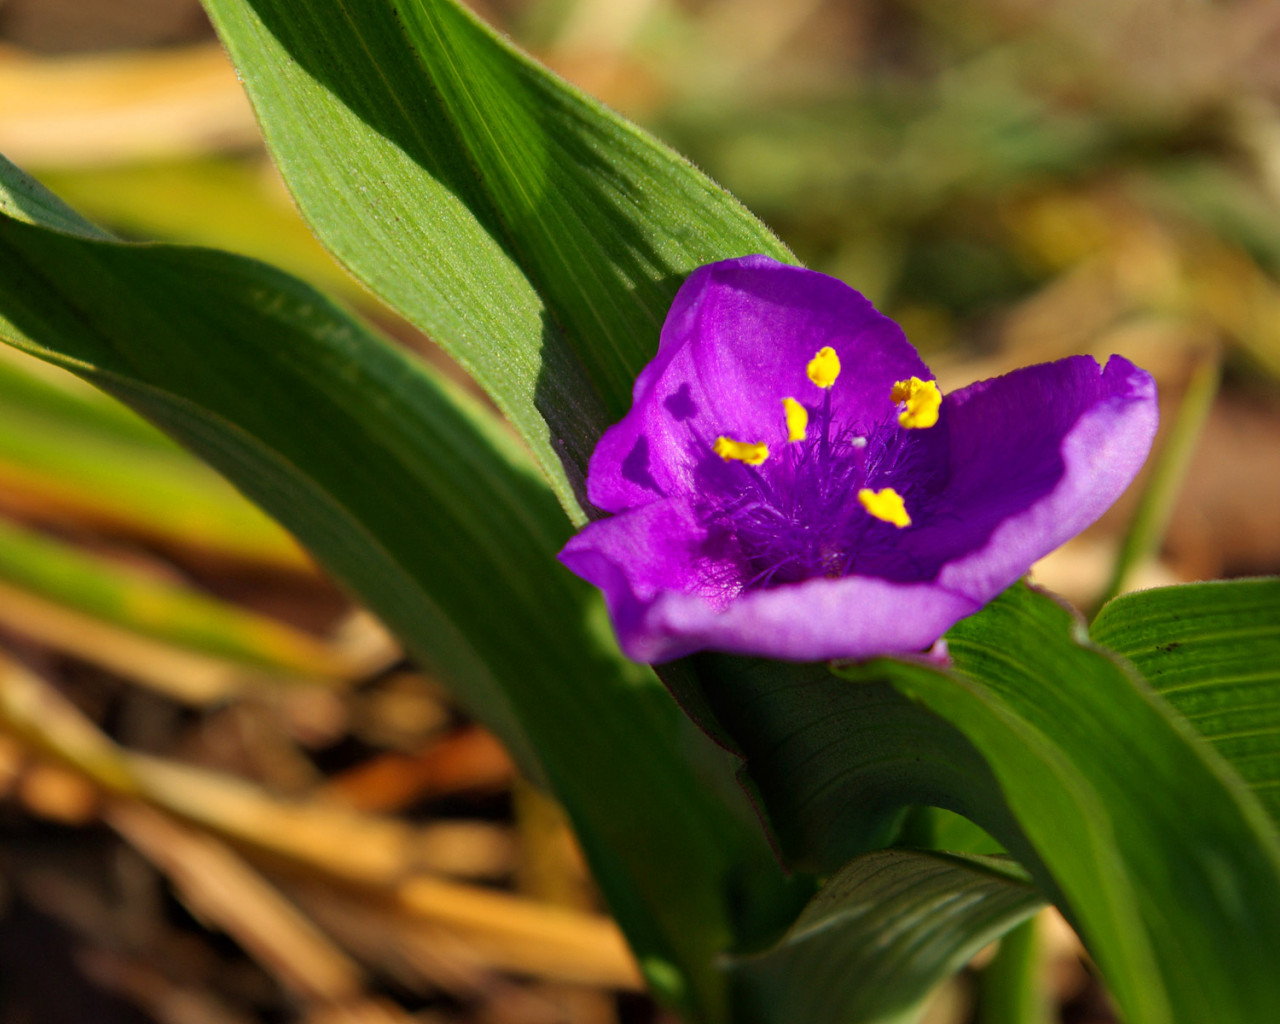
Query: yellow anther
[[741, 451], [797, 419], [886, 505], [922, 399], [824, 368]]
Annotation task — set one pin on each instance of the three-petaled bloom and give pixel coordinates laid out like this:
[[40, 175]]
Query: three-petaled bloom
[[790, 482]]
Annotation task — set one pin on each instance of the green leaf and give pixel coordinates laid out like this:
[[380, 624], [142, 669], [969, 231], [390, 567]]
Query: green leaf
[[41, 390], [834, 767], [227, 203], [537, 236], [1157, 853], [418, 501], [879, 935], [1153, 848], [1014, 987], [1213, 652]]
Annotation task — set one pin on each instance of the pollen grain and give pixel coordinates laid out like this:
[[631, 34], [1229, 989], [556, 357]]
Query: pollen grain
[[920, 399], [886, 505], [740, 451], [824, 368], [797, 419]]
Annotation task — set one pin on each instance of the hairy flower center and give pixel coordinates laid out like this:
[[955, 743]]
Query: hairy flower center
[[834, 492]]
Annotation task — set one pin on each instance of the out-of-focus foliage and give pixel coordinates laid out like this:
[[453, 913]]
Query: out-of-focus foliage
[[954, 157], [1012, 180]]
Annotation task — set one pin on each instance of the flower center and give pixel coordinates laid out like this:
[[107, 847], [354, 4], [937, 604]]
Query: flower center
[[832, 494]]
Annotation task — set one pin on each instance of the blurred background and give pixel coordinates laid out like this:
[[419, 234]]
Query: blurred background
[[238, 802]]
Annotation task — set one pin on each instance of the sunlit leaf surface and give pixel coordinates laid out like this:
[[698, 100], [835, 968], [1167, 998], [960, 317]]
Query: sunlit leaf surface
[[533, 233], [1213, 652]]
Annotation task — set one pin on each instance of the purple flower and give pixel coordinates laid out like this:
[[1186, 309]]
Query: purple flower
[[790, 483]]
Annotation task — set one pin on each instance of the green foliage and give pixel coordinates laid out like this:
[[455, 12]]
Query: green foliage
[[1154, 848], [1013, 983], [534, 234], [81, 452], [881, 933], [1163, 861], [1212, 650], [414, 498], [224, 203], [835, 766]]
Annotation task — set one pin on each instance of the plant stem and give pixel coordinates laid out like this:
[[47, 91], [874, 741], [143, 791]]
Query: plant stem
[[1013, 984]]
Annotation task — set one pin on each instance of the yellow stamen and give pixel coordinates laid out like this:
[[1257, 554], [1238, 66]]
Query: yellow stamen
[[922, 399], [886, 505], [824, 368], [797, 419], [742, 451]]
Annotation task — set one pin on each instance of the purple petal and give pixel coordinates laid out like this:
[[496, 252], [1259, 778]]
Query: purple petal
[[668, 596], [852, 617], [737, 340], [661, 546], [1036, 456], [634, 557]]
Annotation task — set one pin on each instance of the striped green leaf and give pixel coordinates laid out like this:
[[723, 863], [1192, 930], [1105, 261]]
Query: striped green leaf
[[1212, 650], [533, 233], [882, 932]]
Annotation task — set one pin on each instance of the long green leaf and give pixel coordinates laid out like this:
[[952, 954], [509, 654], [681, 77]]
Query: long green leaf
[[219, 202], [834, 766], [882, 932], [1213, 652], [1159, 854], [1013, 986], [534, 234], [415, 499], [41, 390]]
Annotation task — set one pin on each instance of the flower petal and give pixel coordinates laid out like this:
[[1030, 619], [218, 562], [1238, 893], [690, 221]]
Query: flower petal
[[669, 595], [635, 556], [1036, 456], [736, 342], [819, 619]]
